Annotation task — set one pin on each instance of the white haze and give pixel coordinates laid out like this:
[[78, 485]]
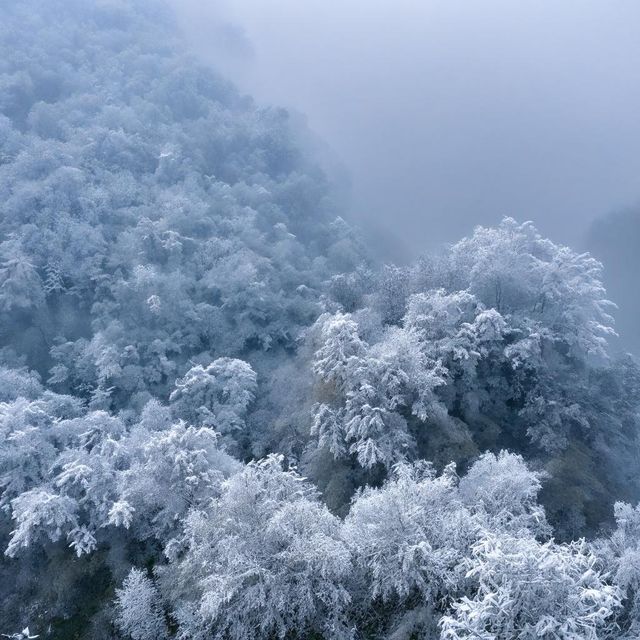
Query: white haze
[[450, 113]]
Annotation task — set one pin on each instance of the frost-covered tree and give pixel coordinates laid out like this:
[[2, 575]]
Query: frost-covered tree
[[140, 614], [527, 589], [366, 391], [411, 535], [621, 552], [503, 489], [20, 284], [217, 395], [264, 560], [514, 270]]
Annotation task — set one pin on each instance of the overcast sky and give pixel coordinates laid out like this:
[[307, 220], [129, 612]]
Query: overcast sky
[[450, 113]]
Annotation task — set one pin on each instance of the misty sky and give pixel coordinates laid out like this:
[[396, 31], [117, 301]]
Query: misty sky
[[450, 113]]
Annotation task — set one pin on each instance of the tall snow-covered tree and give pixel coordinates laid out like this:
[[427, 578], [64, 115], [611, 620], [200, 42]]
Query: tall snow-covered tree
[[264, 560], [217, 395]]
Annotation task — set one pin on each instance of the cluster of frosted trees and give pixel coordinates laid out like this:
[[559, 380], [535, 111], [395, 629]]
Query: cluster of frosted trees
[[502, 342], [250, 550], [221, 418]]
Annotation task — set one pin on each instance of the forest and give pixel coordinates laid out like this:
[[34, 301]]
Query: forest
[[224, 417]]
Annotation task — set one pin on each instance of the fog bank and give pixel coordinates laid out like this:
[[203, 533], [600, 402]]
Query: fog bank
[[447, 113]]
